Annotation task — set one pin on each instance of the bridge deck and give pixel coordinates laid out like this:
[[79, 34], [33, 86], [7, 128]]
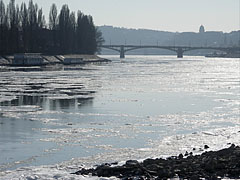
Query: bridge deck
[[122, 49]]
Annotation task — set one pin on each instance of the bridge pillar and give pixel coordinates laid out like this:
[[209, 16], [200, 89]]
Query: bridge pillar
[[122, 52], [180, 53]]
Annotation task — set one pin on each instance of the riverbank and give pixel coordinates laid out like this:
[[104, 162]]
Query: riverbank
[[209, 165], [56, 59]]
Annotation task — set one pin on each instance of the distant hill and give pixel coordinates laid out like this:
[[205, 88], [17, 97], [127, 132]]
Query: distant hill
[[121, 36]]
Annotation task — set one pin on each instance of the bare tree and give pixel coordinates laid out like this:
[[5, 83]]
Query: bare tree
[[53, 17], [40, 19], [2, 13], [2, 25], [24, 26], [63, 28]]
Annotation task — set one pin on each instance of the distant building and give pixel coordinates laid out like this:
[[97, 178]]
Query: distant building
[[201, 29], [27, 59]]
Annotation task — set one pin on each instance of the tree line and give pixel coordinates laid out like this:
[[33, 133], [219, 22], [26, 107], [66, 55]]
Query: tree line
[[23, 29]]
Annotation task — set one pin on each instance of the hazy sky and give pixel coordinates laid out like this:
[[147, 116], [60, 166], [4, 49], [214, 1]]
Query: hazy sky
[[168, 15]]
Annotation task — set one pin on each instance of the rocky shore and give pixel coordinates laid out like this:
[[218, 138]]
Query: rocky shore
[[209, 165]]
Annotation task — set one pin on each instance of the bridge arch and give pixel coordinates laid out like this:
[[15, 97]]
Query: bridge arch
[[123, 49], [114, 49], [178, 49]]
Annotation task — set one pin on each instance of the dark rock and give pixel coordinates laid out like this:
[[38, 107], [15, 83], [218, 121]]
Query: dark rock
[[132, 163], [148, 162], [206, 147], [194, 177], [114, 163], [180, 156], [209, 165]]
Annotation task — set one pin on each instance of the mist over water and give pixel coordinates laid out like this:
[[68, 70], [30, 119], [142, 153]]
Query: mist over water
[[139, 107]]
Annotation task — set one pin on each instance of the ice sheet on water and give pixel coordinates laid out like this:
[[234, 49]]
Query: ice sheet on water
[[197, 140], [18, 111], [44, 172], [169, 146]]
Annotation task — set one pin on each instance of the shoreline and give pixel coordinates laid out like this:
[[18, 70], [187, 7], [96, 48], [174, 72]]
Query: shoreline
[[55, 59], [224, 163]]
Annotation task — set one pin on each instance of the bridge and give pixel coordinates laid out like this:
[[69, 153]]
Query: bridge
[[122, 49]]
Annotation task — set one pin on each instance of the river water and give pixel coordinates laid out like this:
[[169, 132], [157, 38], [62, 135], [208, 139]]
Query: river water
[[54, 120]]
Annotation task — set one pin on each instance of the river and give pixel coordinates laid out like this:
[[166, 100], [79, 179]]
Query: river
[[54, 120]]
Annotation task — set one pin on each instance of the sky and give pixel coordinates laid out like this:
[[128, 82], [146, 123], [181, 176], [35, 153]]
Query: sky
[[165, 15]]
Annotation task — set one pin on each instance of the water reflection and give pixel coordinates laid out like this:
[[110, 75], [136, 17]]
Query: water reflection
[[32, 69], [46, 68], [59, 104], [23, 101], [47, 103]]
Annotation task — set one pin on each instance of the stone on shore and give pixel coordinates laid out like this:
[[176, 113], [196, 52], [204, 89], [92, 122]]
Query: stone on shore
[[209, 165]]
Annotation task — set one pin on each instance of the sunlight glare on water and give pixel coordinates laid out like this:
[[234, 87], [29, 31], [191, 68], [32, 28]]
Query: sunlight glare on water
[[139, 107]]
